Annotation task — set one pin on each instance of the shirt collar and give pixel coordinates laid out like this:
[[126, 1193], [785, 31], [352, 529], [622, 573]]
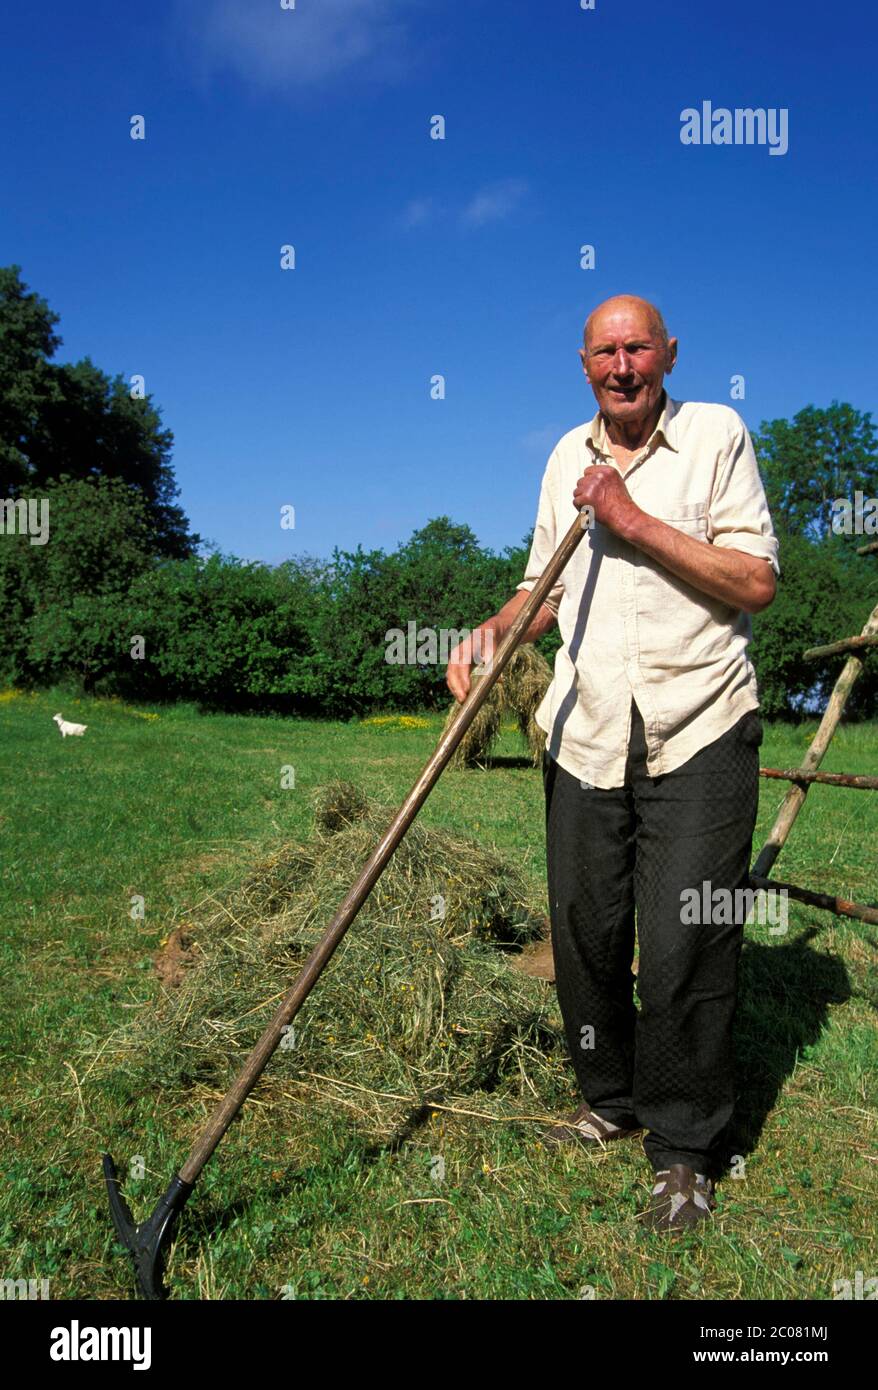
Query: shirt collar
[[596, 430]]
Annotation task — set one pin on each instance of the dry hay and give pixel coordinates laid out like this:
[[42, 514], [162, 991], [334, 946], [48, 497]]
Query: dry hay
[[418, 1003], [518, 692]]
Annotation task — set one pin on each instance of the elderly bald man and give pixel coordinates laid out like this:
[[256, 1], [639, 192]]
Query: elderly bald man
[[652, 756]]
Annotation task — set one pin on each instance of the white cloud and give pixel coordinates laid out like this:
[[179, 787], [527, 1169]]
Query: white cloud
[[494, 202], [418, 212], [317, 41]]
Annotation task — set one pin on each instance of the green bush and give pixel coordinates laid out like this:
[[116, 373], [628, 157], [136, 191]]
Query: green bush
[[63, 602], [312, 637], [221, 631]]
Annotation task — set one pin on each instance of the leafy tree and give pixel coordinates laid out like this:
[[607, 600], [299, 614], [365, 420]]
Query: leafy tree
[[822, 595], [73, 420], [826, 591], [94, 427], [27, 381], [812, 459]]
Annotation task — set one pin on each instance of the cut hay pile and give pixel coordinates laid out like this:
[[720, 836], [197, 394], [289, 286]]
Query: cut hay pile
[[419, 1003], [518, 693]]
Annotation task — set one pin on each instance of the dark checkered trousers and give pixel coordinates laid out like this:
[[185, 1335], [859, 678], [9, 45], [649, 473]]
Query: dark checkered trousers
[[628, 858]]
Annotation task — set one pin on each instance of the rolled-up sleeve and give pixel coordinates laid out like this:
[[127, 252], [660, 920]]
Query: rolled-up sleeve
[[738, 517], [545, 536]]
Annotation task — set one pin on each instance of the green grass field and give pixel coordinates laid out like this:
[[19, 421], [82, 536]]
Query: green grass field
[[170, 804]]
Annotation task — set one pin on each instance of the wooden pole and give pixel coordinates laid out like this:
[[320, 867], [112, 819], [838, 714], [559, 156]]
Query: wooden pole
[[829, 779], [795, 797], [843, 907], [847, 644]]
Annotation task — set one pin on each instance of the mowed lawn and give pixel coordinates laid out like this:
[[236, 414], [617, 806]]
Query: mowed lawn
[[171, 804]]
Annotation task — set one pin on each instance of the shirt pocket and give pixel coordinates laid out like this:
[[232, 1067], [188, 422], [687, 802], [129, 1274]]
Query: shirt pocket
[[690, 517]]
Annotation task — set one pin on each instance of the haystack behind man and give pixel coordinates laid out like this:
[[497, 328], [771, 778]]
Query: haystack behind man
[[651, 770]]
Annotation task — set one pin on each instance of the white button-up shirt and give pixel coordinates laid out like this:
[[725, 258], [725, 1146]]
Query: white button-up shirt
[[629, 626]]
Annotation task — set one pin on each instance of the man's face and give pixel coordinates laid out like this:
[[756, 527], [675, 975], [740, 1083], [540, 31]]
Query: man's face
[[625, 360]]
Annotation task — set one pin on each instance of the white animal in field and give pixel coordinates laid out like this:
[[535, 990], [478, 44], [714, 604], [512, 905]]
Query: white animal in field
[[67, 728]]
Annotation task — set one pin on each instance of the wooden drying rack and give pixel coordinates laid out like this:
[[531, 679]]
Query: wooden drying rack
[[805, 776]]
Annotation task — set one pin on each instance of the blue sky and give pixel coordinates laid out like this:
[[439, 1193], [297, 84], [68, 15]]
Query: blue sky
[[414, 256]]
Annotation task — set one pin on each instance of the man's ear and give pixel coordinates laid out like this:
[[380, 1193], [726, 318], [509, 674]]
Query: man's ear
[[584, 360], [671, 356]]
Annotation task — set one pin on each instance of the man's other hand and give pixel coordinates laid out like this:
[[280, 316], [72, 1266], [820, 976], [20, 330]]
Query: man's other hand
[[457, 673]]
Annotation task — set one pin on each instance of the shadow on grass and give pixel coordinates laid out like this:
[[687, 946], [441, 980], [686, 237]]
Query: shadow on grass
[[784, 996]]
